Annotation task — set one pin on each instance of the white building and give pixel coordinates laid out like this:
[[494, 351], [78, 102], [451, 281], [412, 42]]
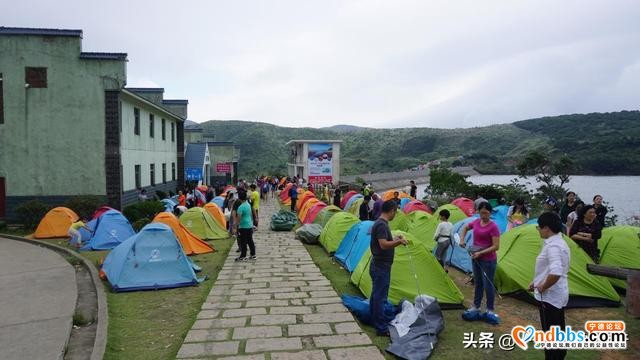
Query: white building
[[317, 161]]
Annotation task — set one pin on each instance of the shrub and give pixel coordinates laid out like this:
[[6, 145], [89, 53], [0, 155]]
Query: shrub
[[85, 205], [3, 224], [139, 224], [161, 194], [31, 212], [142, 210]]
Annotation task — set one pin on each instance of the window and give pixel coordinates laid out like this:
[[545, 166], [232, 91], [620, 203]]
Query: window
[[164, 173], [138, 177], [2, 104], [136, 119], [173, 132], [152, 174], [151, 125], [173, 170], [164, 130], [35, 77]]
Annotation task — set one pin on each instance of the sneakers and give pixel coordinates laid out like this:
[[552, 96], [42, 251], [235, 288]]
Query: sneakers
[[491, 318], [238, 259], [238, 250], [253, 257], [472, 314]]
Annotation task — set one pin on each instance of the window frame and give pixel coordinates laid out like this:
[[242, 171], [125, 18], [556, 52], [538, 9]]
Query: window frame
[[137, 173], [163, 126], [136, 121], [151, 126], [1, 99], [164, 173], [173, 131], [173, 171], [35, 77], [152, 174]]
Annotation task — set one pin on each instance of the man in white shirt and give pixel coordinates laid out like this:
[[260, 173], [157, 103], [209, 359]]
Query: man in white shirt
[[550, 285], [443, 236]]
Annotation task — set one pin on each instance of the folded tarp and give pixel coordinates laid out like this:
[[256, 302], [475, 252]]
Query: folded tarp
[[309, 233], [414, 331], [283, 221]]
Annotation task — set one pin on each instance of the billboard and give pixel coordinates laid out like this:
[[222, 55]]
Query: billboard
[[320, 163], [223, 167], [193, 174]]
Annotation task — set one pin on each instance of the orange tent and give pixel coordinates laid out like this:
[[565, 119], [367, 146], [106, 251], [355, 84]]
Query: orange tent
[[389, 195], [284, 194], [306, 195], [56, 223], [217, 214], [191, 244], [305, 209], [227, 188]]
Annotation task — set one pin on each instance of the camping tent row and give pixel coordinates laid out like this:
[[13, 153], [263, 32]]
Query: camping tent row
[[350, 239]]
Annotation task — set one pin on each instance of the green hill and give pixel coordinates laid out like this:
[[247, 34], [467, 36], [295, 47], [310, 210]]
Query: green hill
[[599, 143]]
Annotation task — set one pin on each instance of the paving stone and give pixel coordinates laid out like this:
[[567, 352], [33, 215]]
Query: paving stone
[[219, 306], [331, 308], [286, 284], [260, 303], [359, 353], [244, 357], [290, 295], [250, 297], [309, 329], [237, 292], [273, 319], [271, 290], [323, 282], [252, 285], [244, 312], [316, 288], [253, 332], [318, 301], [208, 314], [207, 335], [272, 344], [342, 340], [318, 294], [208, 348], [327, 318], [232, 281], [291, 310], [301, 355], [219, 323], [267, 279], [347, 327]]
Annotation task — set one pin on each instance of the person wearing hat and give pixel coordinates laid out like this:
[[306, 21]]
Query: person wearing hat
[[550, 205]]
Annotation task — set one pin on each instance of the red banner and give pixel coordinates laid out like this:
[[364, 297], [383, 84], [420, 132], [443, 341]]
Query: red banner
[[320, 179], [223, 167]]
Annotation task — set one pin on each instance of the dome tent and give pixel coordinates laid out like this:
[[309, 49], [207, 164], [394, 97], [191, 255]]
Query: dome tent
[[56, 223], [107, 231], [325, 214], [466, 205], [335, 230], [409, 262], [424, 229], [313, 212], [191, 244], [346, 197], [151, 259], [620, 247], [353, 246], [416, 205], [202, 224], [519, 248]]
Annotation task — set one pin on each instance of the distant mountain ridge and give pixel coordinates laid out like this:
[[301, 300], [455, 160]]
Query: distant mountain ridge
[[599, 144]]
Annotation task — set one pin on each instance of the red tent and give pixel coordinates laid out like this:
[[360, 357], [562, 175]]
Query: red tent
[[302, 199], [284, 194], [416, 205], [466, 205], [313, 212], [100, 211], [346, 198]]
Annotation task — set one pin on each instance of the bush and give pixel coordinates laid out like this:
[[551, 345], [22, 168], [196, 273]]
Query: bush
[[31, 212], [139, 224], [3, 224], [161, 194], [85, 205], [143, 210]]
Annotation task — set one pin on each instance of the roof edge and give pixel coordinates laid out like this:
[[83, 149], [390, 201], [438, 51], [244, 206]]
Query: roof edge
[[5, 30]]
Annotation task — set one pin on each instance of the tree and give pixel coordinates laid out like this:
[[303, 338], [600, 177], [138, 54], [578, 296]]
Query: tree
[[551, 174], [444, 181]]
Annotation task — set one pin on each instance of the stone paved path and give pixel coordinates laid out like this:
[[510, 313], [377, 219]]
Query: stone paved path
[[277, 307]]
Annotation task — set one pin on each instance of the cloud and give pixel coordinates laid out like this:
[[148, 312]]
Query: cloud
[[369, 63]]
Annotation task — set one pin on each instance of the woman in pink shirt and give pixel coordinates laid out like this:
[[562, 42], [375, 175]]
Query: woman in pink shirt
[[486, 241]]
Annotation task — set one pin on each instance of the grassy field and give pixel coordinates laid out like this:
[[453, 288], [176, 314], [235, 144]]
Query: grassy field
[[152, 324], [512, 312]]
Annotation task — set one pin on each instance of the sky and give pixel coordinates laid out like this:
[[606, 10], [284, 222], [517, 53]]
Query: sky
[[422, 63]]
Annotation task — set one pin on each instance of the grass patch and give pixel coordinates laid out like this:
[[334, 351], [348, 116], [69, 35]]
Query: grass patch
[[512, 312], [153, 324]]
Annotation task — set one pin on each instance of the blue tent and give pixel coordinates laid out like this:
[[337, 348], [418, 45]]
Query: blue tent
[[218, 200], [354, 245], [108, 231], [169, 204], [404, 201], [352, 200], [151, 259]]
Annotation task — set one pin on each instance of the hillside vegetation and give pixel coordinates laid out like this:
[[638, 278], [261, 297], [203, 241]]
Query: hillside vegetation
[[599, 143]]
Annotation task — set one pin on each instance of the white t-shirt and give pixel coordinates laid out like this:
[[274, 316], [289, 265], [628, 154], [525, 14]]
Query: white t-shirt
[[553, 259], [444, 232]]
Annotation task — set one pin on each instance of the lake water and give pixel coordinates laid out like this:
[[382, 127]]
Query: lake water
[[621, 192]]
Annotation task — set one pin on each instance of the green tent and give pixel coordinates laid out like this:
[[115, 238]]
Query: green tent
[[519, 248], [283, 220], [418, 216], [199, 221], [335, 230], [400, 221], [325, 214], [354, 209], [620, 247], [432, 279], [423, 228]]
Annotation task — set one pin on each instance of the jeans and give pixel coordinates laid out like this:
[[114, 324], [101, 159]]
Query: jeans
[[293, 204], [550, 316], [380, 278], [246, 238], [484, 283], [441, 251]]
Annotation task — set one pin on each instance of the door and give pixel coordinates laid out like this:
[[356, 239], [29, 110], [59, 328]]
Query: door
[[2, 198]]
